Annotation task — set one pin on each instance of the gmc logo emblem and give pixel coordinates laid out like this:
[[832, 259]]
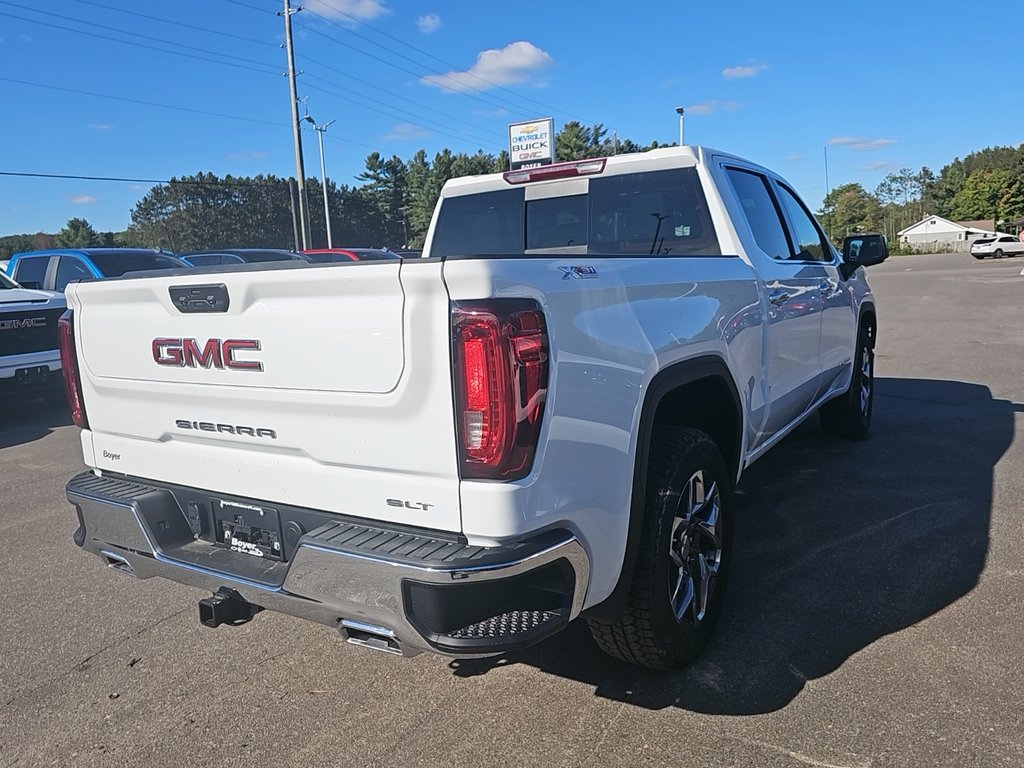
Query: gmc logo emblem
[[28, 322], [186, 353]]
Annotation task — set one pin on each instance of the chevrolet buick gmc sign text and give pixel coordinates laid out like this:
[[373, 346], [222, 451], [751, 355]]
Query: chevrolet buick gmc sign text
[[531, 143]]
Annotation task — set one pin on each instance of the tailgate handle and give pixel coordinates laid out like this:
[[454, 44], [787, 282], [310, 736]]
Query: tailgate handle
[[200, 298]]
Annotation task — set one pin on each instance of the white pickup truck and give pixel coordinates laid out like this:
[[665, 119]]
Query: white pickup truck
[[542, 418]]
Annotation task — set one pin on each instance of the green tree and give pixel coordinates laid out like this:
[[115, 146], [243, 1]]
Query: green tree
[[982, 194], [849, 209], [77, 233]]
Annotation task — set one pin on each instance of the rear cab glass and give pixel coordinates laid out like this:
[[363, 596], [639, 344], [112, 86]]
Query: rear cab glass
[[116, 263], [650, 213]]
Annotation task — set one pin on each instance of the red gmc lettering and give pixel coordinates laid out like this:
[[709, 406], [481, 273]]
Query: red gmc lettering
[[214, 353], [234, 345]]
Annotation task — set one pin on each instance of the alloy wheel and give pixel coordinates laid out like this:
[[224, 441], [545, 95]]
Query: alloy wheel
[[695, 548]]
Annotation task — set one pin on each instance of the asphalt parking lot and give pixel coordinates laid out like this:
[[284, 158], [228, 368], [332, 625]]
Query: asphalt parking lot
[[874, 615]]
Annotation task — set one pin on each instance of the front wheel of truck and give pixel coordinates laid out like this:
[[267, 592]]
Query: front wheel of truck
[[849, 415], [681, 568]]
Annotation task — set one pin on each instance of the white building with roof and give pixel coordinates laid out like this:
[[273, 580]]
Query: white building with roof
[[937, 231]]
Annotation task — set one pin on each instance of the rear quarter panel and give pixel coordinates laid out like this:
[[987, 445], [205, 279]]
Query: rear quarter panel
[[609, 335]]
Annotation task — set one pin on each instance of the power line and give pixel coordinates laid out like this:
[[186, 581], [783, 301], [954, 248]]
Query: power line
[[404, 99], [405, 118], [182, 24], [267, 67], [145, 46], [406, 44], [489, 102], [251, 7], [75, 177]]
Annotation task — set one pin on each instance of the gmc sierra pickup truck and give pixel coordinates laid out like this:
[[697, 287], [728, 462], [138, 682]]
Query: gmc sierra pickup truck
[[544, 417], [29, 357]]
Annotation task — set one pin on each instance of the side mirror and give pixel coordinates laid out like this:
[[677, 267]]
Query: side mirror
[[863, 251]]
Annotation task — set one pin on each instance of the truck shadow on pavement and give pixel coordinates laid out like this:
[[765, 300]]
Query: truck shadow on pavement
[[24, 421], [837, 544]]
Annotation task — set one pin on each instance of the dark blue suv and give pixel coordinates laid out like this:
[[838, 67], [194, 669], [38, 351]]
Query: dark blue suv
[[52, 270]]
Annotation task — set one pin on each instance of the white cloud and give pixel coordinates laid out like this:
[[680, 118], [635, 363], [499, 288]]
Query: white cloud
[[83, 199], [743, 70], [99, 126], [347, 11], [794, 158], [256, 154], [513, 64], [710, 106], [405, 131], [879, 165], [429, 23], [860, 145]]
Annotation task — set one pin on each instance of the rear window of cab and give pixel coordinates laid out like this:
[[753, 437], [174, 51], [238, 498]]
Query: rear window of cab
[[651, 213]]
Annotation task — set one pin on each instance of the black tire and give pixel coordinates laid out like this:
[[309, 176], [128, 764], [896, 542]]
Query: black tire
[[978, 256], [849, 415], [684, 545], [999, 253]]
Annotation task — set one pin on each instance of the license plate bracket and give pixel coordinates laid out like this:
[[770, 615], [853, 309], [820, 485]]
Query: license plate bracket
[[35, 376], [248, 528]]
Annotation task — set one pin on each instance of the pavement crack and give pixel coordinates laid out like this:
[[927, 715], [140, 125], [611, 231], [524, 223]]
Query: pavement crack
[[806, 759], [131, 636]]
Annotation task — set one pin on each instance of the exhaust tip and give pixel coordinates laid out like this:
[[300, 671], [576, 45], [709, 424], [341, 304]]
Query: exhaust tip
[[370, 636], [118, 563]]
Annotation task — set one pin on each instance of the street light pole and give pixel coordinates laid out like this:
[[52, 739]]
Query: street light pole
[[679, 111], [320, 131]]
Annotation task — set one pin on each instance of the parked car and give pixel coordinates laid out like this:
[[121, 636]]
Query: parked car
[[52, 270], [29, 350], [330, 255], [228, 256], [409, 253], [997, 247], [467, 456]]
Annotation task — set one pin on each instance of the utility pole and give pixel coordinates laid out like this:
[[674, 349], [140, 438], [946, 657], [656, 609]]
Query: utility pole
[[320, 131], [300, 173]]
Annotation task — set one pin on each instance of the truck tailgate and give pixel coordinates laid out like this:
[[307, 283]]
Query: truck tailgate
[[325, 387]]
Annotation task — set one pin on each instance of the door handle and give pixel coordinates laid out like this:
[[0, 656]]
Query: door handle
[[779, 296]]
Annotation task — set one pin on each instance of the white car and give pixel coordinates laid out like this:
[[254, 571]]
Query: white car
[[998, 246]]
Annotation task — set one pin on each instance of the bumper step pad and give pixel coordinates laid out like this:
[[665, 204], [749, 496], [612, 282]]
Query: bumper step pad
[[506, 625]]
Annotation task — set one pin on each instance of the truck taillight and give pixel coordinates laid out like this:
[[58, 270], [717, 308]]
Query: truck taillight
[[69, 368], [501, 381]]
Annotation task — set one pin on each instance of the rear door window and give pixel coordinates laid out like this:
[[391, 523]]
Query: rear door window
[[31, 270], [70, 268], [762, 213]]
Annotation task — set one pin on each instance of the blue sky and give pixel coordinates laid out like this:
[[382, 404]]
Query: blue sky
[[778, 86]]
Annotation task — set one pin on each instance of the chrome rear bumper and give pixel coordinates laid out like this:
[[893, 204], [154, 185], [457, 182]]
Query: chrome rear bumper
[[394, 589]]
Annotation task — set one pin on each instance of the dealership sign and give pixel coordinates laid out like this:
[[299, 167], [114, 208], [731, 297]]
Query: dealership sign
[[531, 143]]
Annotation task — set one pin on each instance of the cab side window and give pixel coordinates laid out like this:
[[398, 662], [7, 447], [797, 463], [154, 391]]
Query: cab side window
[[31, 270], [761, 211], [70, 268], [811, 244]]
